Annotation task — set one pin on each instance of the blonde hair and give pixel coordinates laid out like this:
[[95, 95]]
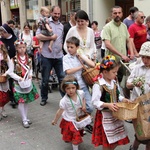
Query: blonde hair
[[4, 50], [44, 8]]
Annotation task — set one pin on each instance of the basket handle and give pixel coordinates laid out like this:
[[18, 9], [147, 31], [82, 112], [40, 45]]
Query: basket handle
[[131, 108], [80, 59]]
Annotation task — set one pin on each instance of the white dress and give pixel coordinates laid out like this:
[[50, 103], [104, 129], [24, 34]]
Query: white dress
[[87, 46]]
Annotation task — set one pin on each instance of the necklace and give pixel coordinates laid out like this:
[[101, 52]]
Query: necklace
[[23, 59]]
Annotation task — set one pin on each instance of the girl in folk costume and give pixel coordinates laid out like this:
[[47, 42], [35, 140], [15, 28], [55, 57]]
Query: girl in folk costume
[[24, 90], [72, 104], [108, 131], [5, 69]]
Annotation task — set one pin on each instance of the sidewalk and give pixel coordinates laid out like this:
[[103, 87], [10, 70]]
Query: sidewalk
[[41, 135]]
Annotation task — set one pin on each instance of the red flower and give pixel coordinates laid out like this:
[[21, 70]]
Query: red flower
[[97, 77], [21, 100], [36, 96]]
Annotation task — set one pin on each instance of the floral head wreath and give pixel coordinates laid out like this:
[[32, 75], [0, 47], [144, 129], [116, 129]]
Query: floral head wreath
[[108, 62], [19, 41]]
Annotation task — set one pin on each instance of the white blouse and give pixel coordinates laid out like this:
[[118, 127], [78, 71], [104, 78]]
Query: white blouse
[[69, 113], [87, 45], [97, 93]]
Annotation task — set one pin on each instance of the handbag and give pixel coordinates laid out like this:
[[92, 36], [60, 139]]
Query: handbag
[[83, 120], [30, 51], [88, 73]]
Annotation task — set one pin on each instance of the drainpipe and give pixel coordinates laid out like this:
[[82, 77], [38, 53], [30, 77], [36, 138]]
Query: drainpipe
[[91, 10]]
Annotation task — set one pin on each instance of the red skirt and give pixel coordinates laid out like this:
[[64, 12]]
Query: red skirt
[[4, 98], [69, 132], [99, 136]]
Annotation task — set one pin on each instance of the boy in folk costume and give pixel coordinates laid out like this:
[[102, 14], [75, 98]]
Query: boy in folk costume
[[105, 94], [24, 90]]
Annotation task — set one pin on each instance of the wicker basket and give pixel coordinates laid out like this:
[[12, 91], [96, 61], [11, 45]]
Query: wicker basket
[[3, 79], [88, 74], [127, 111]]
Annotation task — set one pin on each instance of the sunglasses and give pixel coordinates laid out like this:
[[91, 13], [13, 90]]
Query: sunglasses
[[143, 17]]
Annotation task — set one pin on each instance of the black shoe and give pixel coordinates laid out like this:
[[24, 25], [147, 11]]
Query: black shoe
[[89, 128], [129, 121], [43, 103], [13, 104]]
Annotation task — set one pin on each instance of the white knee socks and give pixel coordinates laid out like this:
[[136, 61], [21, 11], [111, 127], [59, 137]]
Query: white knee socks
[[23, 108], [75, 147]]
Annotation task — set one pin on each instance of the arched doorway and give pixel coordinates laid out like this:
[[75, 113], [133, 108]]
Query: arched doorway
[[125, 4]]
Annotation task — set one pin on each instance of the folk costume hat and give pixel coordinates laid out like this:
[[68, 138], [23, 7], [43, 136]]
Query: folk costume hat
[[145, 49], [108, 61], [7, 29], [19, 41]]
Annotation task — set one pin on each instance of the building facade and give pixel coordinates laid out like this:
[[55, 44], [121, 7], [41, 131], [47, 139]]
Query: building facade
[[22, 11]]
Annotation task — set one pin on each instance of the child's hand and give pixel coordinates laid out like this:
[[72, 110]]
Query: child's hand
[[29, 77], [138, 84], [20, 79], [53, 122], [83, 109], [112, 106], [4, 74]]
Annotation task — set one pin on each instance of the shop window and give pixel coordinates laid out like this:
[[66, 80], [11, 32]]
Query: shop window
[[32, 10]]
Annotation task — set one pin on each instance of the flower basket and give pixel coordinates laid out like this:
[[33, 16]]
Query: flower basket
[[3, 79], [127, 111]]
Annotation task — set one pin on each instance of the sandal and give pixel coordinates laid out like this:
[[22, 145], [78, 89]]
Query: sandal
[[3, 114]]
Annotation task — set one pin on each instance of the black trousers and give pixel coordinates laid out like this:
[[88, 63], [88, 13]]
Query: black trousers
[[11, 94]]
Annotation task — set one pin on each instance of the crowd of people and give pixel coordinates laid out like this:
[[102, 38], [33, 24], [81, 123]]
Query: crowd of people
[[65, 48]]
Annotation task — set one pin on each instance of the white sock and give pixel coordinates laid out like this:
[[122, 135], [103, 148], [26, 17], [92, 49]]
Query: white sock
[[26, 110], [22, 111], [75, 147]]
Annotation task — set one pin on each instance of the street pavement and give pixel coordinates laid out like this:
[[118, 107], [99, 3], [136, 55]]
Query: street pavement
[[42, 135]]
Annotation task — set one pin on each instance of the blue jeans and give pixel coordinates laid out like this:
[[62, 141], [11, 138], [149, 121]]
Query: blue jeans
[[47, 64], [88, 99]]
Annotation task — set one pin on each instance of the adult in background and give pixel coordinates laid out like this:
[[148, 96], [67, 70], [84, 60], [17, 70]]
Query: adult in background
[[27, 36], [116, 37], [52, 59], [148, 27], [11, 24], [130, 19], [98, 40], [8, 38], [138, 32], [69, 24], [84, 34]]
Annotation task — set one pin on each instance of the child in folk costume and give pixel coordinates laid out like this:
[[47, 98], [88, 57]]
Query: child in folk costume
[[139, 81], [71, 104], [5, 69], [24, 90], [105, 94]]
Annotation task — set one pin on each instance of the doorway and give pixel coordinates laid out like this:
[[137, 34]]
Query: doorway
[[125, 4]]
